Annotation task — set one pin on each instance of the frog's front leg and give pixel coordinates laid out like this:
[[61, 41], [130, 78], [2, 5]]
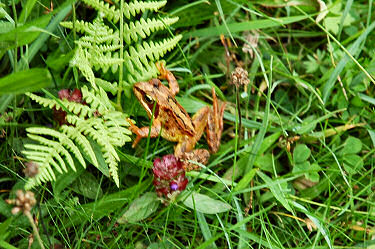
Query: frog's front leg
[[143, 132], [167, 75]]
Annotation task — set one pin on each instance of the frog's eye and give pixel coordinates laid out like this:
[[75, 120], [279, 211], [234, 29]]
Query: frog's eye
[[148, 99]]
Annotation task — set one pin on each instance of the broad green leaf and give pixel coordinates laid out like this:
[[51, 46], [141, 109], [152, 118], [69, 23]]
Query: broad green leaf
[[301, 153], [314, 177], [62, 11], [352, 145], [4, 101], [6, 27], [88, 186], [204, 204], [332, 23], [352, 163], [6, 245], [140, 208], [245, 181], [266, 163], [313, 174], [278, 190], [26, 10], [25, 81], [102, 165], [4, 228], [301, 167], [23, 35], [166, 244], [307, 126], [105, 205], [268, 142]]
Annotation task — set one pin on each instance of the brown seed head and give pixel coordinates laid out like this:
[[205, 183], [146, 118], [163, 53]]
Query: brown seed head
[[239, 77], [24, 201], [32, 169]]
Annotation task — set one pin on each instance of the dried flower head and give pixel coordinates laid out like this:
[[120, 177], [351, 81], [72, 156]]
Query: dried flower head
[[249, 47], [239, 77], [31, 170], [24, 202], [169, 176]]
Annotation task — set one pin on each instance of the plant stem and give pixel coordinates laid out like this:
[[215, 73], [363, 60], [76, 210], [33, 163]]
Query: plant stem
[[36, 233]]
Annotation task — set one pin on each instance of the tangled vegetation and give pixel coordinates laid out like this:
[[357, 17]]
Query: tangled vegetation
[[295, 168]]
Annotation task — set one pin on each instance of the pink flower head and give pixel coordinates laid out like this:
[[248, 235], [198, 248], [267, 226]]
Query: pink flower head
[[71, 96], [169, 176]]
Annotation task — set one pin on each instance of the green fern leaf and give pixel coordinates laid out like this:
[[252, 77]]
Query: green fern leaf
[[82, 141], [98, 100], [64, 140], [73, 107], [107, 86], [143, 28], [139, 56]]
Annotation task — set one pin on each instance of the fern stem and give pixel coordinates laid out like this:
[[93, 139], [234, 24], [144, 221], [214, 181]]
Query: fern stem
[[121, 56]]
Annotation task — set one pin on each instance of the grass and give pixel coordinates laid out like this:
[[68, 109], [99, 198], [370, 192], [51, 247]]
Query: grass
[[297, 173]]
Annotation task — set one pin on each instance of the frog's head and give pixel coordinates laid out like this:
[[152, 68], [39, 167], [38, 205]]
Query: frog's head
[[148, 93]]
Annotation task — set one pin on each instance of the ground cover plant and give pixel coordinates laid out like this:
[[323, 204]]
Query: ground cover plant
[[295, 168]]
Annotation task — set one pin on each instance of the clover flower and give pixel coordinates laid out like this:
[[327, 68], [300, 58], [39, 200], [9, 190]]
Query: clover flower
[[71, 96], [169, 176]]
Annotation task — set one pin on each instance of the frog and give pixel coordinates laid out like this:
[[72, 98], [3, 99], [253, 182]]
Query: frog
[[173, 123]]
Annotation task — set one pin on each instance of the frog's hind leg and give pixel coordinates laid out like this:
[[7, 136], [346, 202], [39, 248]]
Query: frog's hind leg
[[185, 149], [214, 127], [188, 142]]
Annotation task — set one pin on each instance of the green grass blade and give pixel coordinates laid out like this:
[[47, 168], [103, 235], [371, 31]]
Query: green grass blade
[[41, 40], [243, 26], [205, 229], [353, 50]]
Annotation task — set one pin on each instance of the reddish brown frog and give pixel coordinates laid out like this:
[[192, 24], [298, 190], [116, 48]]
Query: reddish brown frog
[[174, 123]]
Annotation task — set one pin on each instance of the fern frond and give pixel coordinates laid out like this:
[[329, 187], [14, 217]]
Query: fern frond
[[107, 127], [82, 141], [130, 9], [97, 130], [107, 86], [95, 29], [105, 61], [148, 51], [65, 141], [80, 60], [115, 123], [144, 27], [73, 107], [147, 72], [44, 156], [134, 8], [97, 99]]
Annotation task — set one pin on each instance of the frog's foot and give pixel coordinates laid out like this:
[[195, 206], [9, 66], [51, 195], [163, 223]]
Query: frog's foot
[[199, 155], [167, 75], [215, 125], [143, 132]]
